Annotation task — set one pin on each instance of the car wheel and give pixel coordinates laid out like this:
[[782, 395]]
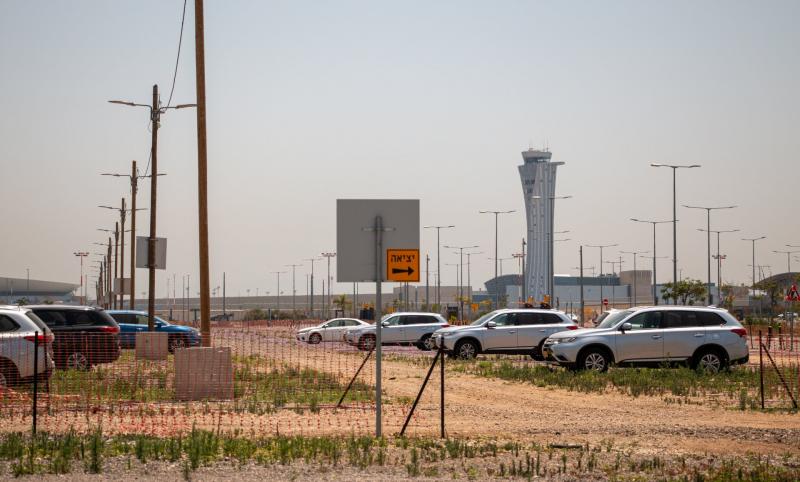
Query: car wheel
[[176, 342], [594, 359], [77, 361], [709, 361], [537, 352], [314, 339], [366, 343], [467, 349], [8, 374], [426, 343]]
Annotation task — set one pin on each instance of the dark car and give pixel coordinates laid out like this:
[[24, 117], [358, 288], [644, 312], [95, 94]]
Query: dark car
[[132, 322], [84, 336]]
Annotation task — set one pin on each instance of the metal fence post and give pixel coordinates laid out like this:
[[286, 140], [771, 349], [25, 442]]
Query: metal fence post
[[35, 377], [761, 367], [441, 388]]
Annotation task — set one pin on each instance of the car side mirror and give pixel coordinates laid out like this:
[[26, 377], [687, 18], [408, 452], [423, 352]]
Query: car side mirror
[[384, 323], [626, 327], [491, 324]]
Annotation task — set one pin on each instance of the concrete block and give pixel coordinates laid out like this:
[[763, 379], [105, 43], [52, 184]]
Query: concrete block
[[204, 373], [152, 345]]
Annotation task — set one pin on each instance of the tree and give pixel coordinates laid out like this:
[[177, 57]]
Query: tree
[[342, 303], [687, 291]]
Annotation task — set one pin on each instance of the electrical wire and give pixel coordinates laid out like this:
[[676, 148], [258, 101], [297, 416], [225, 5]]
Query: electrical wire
[[178, 58]]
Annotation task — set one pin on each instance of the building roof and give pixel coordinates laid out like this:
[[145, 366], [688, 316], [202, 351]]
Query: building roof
[[24, 287]]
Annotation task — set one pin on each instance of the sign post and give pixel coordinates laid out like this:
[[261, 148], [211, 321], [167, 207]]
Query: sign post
[[363, 228]]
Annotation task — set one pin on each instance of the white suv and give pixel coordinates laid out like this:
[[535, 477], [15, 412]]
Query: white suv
[[706, 338], [18, 332], [399, 329], [506, 331]]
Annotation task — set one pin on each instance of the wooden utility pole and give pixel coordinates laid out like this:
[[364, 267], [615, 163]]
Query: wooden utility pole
[[122, 255], [134, 189], [202, 172], [116, 264], [155, 112]]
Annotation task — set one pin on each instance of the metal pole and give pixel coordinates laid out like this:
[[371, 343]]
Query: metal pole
[[655, 295], [719, 273], [674, 233], [441, 390], [151, 251], [378, 342], [461, 285], [496, 289], [761, 365], [202, 172], [427, 283], [35, 378], [224, 308], [116, 263], [583, 305], [438, 270]]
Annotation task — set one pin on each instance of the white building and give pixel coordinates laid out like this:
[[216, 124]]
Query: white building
[[538, 176]]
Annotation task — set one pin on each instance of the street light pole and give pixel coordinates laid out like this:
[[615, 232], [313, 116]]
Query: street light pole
[[329, 255], [294, 291], [460, 285], [311, 305], [753, 240], [496, 225], [155, 118], [635, 291], [469, 279], [718, 257], [601, 246], [81, 255], [788, 258], [438, 262], [655, 279], [708, 229], [278, 277], [674, 168]]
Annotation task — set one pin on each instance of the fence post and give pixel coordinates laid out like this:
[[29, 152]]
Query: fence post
[[441, 388], [350, 385], [35, 377], [783, 380], [419, 395], [761, 367]]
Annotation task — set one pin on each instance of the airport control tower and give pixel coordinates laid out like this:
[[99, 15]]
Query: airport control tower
[[538, 175]]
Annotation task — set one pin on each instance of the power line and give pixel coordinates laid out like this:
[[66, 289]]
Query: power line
[[178, 58]]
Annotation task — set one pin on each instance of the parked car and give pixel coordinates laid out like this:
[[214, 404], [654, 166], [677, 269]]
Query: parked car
[[132, 322], [705, 338], [331, 330], [507, 331], [19, 328], [400, 329], [84, 336]]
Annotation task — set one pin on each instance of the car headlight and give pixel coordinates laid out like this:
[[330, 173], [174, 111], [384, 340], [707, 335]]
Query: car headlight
[[556, 341]]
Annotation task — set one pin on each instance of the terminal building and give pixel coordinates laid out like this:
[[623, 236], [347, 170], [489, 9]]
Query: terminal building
[[31, 291]]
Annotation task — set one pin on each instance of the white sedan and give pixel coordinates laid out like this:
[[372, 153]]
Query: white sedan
[[331, 330]]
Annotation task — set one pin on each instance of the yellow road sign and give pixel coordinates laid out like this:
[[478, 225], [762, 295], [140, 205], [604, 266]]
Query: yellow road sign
[[402, 265]]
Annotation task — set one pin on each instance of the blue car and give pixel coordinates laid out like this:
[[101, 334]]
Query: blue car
[[131, 322]]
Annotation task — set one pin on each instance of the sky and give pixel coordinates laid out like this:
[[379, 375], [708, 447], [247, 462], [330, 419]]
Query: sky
[[309, 102]]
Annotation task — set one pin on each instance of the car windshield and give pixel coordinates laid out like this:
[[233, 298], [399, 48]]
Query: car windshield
[[483, 318], [613, 318]]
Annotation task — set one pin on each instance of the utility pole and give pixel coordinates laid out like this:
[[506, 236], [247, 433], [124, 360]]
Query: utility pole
[[311, 305], [294, 291], [155, 118], [328, 255], [438, 263], [202, 172], [134, 180]]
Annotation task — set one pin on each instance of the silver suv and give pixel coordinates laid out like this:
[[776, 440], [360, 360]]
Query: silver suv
[[399, 329], [706, 338], [509, 331], [19, 328]]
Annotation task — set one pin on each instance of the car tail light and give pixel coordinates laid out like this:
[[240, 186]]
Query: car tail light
[[109, 329], [572, 327], [740, 331], [446, 325], [48, 338]]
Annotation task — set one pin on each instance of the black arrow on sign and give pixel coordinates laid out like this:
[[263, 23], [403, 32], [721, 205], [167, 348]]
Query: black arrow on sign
[[408, 270]]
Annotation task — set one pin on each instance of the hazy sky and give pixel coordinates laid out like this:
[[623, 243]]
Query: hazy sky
[[313, 101]]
